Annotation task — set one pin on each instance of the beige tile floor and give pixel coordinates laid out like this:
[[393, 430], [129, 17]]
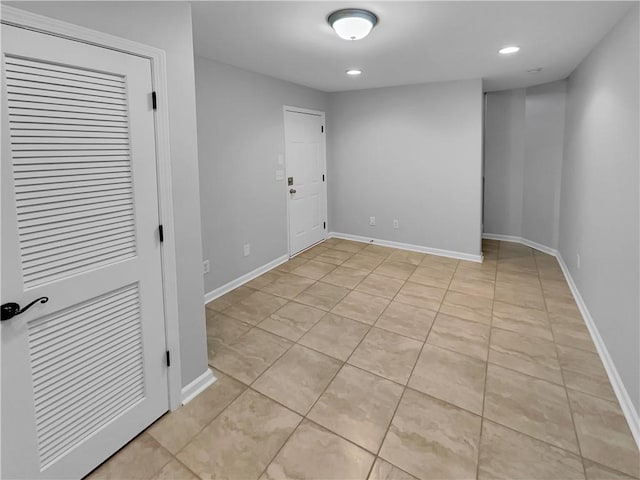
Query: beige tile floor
[[358, 361]]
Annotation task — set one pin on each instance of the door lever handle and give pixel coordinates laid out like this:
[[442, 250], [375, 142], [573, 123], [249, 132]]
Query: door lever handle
[[10, 310], [292, 191]]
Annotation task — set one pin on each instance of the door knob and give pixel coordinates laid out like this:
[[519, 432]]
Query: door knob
[[292, 191], [10, 310]]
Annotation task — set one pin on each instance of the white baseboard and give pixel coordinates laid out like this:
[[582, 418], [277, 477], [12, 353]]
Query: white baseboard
[[218, 292], [524, 241], [408, 246], [628, 409], [196, 387]]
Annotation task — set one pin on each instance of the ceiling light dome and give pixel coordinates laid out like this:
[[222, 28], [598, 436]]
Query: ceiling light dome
[[352, 23], [509, 49]]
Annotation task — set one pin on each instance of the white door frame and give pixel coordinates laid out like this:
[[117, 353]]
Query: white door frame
[[22, 19], [321, 114]]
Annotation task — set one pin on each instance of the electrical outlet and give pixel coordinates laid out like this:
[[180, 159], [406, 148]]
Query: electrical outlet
[[396, 224], [578, 260], [205, 267], [372, 221], [247, 249]]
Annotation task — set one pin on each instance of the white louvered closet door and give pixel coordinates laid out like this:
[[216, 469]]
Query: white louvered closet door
[[84, 372]]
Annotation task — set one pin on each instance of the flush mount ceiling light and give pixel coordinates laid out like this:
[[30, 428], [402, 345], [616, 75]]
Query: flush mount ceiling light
[[354, 72], [509, 49], [352, 23]]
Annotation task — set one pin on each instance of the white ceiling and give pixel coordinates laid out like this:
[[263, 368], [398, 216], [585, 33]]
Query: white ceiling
[[414, 42]]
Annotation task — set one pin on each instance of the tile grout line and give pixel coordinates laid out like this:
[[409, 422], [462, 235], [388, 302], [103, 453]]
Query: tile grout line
[[305, 416], [377, 453], [564, 384], [486, 366], [406, 386]]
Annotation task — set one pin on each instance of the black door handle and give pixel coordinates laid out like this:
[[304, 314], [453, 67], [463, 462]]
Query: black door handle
[[10, 310]]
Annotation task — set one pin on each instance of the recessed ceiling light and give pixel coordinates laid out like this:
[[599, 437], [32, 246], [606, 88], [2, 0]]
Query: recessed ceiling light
[[352, 23], [508, 50], [354, 72]]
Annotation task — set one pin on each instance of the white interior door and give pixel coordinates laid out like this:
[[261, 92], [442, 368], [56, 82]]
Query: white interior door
[[84, 372], [306, 192]]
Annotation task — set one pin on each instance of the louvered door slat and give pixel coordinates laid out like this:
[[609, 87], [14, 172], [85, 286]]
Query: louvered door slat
[[91, 418], [72, 234], [36, 133], [64, 85], [42, 251], [36, 93], [68, 382], [98, 115], [60, 367], [62, 187], [63, 268], [31, 101], [73, 72], [51, 172], [79, 224], [44, 105], [69, 140], [66, 166], [58, 78], [41, 332], [98, 246], [79, 212], [96, 385], [67, 353]]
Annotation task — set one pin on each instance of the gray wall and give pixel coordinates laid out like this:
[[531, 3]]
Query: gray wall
[[524, 134], [600, 201], [165, 25], [544, 137], [504, 162], [410, 153], [241, 134]]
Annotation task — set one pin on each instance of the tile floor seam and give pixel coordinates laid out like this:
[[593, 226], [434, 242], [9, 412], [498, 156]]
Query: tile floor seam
[[246, 387], [564, 384], [589, 394], [486, 370], [175, 457], [305, 416], [374, 322], [283, 443], [566, 392], [535, 439], [406, 386], [533, 377]]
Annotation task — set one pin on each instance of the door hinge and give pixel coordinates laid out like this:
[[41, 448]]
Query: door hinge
[[322, 129], [168, 358], [154, 100], [323, 177], [324, 224], [161, 233]]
